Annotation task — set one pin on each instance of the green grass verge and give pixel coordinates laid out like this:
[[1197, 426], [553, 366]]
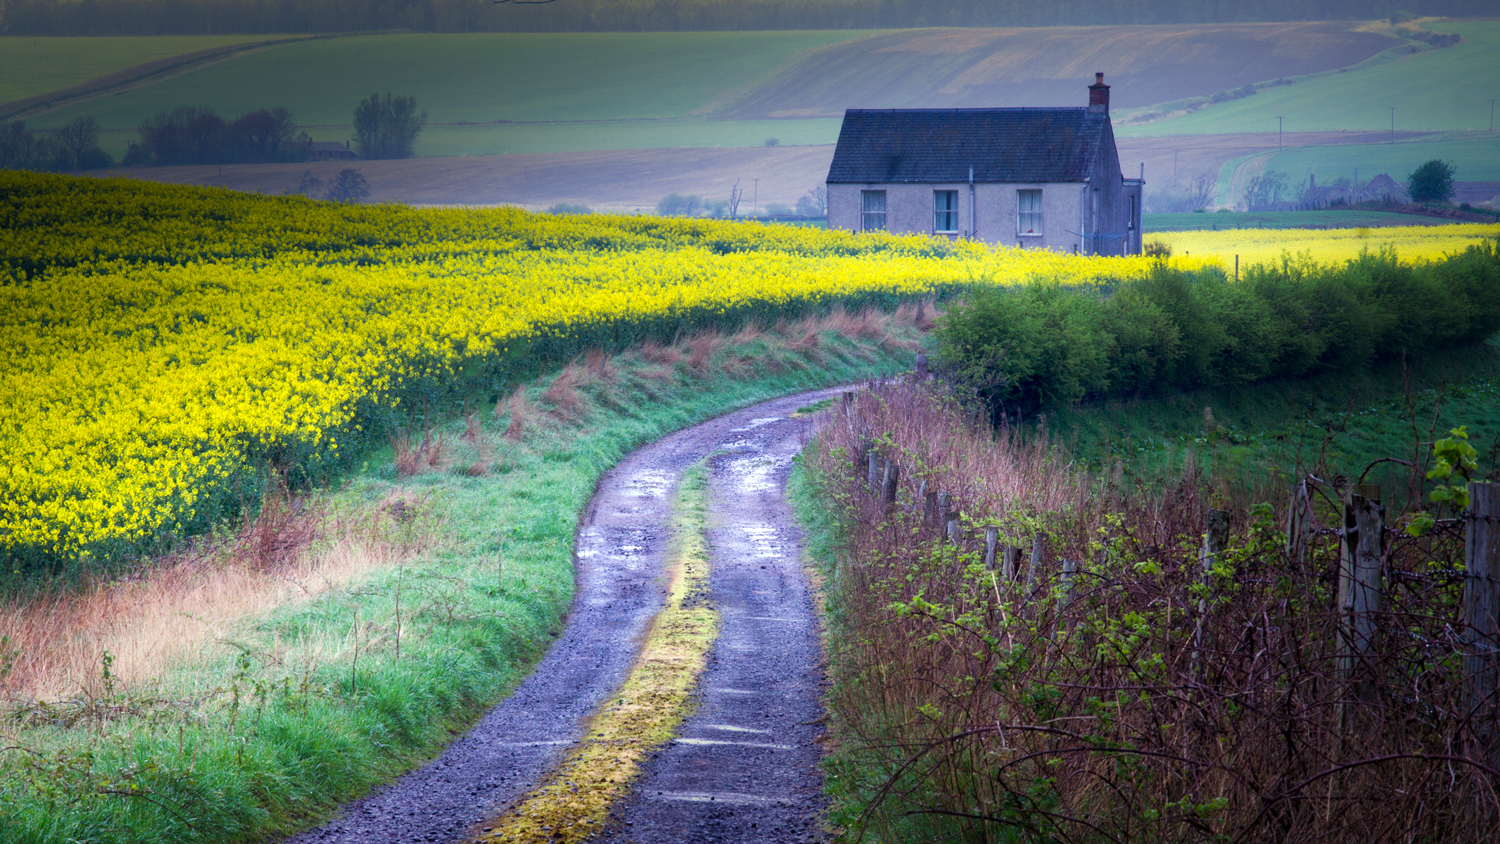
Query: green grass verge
[[851, 778], [1432, 90], [32, 65], [1220, 220], [1255, 439], [315, 704]]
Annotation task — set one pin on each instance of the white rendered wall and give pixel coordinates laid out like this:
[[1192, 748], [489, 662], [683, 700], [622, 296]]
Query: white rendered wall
[[909, 210]]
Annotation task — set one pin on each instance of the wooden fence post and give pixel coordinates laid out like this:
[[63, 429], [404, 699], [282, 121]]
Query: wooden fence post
[[890, 482], [944, 505], [1361, 580], [1011, 564], [862, 459], [1034, 569], [1215, 537], [929, 506], [991, 539], [1299, 525], [1069, 575], [1482, 611], [921, 367], [874, 468]]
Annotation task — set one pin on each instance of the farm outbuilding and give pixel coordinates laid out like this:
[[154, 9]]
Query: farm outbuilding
[[1046, 178]]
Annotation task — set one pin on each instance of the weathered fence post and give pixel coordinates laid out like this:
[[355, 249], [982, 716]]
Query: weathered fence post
[[929, 506], [1299, 525], [921, 367], [890, 482], [955, 531], [1034, 569], [1069, 575], [1482, 611], [991, 539], [1011, 563], [1361, 580], [874, 468], [1215, 537], [863, 458], [944, 504]]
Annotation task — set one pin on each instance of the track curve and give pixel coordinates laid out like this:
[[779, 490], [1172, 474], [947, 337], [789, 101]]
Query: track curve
[[745, 765]]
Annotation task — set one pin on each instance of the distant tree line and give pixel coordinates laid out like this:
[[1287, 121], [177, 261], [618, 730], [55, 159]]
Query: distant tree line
[[156, 17], [73, 147], [190, 135]]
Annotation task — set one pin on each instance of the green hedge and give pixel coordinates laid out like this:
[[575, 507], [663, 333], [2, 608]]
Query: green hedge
[[1023, 348]]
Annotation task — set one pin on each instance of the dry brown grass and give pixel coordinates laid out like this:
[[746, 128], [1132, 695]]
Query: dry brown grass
[[701, 349], [563, 393], [596, 362], [426, 454], [522, 415], [1116, 703], [655, 352], [188, 604]]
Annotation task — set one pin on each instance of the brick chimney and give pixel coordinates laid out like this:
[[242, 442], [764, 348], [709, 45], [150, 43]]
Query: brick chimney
[[1099, 95]]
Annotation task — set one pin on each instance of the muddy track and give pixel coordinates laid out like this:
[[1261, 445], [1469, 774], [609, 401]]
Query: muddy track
[[744, 767]]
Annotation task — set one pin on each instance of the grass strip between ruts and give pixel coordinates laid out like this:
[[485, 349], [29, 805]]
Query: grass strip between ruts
[[575, 802]]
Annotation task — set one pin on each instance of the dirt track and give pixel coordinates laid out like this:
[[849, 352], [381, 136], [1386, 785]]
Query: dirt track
[[745, 765]]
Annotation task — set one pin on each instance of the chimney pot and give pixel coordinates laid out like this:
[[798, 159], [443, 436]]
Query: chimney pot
[[1099, 95]]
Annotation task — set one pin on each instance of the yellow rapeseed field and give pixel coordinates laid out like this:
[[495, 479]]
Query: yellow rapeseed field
[[1256, 246], [161, 347]]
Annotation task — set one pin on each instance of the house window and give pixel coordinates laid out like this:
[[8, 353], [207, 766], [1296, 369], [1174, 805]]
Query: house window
[[1029, 213], [945, 215], [872, 210]]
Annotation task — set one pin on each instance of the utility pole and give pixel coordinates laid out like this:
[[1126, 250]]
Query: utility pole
[[1393, 123], [1278, 131], [755, 198], [1492, 115], [1174, 165]]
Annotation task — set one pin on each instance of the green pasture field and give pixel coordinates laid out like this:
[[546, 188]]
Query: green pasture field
[[1259, 438], [34, 65], [636, 89], [1436, 89], [586, 136], [1330, 219], [1475, 156]]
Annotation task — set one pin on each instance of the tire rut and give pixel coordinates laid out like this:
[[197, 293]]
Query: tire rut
[[745, 766]]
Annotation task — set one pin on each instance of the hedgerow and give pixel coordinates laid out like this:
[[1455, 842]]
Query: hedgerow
[[1026, 346]]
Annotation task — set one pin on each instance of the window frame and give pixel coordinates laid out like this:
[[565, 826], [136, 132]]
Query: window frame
[[939, 212], [1032, 216], [867, 214]]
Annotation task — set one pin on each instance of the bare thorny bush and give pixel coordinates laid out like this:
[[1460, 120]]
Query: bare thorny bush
[[1079, 708]]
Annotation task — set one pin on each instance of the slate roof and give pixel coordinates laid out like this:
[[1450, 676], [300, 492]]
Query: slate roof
[[939, 145]]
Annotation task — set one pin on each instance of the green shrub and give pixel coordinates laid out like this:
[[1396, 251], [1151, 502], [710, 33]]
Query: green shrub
[[1025, 347]]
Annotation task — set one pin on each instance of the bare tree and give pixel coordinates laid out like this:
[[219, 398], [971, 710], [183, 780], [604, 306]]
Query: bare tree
[[348, 186], [79, 137], [387, 128], [736, 193]]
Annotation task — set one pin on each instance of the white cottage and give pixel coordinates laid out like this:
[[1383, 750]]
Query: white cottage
[[1046, 178]]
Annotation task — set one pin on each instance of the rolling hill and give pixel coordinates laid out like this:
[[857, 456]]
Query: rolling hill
[[513, 93]]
